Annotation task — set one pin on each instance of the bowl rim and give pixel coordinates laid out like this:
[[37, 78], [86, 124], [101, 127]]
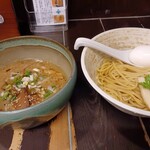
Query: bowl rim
[[51, 99], [136, 111]]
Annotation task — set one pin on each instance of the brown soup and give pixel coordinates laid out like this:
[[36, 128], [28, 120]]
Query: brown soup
[[28, 82]]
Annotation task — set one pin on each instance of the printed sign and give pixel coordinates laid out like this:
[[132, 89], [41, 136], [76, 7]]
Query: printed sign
[[50, 12]]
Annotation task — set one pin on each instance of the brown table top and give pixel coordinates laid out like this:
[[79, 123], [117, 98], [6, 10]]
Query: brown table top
[[97, 124]]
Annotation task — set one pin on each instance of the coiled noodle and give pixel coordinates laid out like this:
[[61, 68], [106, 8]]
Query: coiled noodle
[[120, 80]]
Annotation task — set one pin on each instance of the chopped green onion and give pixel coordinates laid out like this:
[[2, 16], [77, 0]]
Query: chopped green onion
[[53, 86], [8, 87], [5, 95], [27, 73], [13, 97], [47, 93], [17, 80]]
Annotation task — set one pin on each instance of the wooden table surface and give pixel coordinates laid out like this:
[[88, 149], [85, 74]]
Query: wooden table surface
[[97, 124]]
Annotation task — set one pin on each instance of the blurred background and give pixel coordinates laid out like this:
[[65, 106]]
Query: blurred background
[[87, 9]]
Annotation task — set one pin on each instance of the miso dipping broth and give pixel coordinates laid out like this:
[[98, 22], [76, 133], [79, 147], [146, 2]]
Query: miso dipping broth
[[27, 82]]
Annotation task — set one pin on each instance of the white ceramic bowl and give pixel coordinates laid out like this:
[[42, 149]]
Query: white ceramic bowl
[[121, 38]]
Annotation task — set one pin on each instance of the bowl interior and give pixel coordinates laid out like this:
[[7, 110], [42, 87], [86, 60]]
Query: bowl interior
[[40, 52], [121, 39]]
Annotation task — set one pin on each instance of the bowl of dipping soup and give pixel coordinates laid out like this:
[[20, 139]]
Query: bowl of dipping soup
[[37, 78]]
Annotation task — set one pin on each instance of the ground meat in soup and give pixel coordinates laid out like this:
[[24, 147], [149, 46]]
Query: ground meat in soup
[[28, 82]]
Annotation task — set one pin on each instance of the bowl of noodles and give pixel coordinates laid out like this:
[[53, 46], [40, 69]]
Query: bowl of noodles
[[37, 78], [122, 85]]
